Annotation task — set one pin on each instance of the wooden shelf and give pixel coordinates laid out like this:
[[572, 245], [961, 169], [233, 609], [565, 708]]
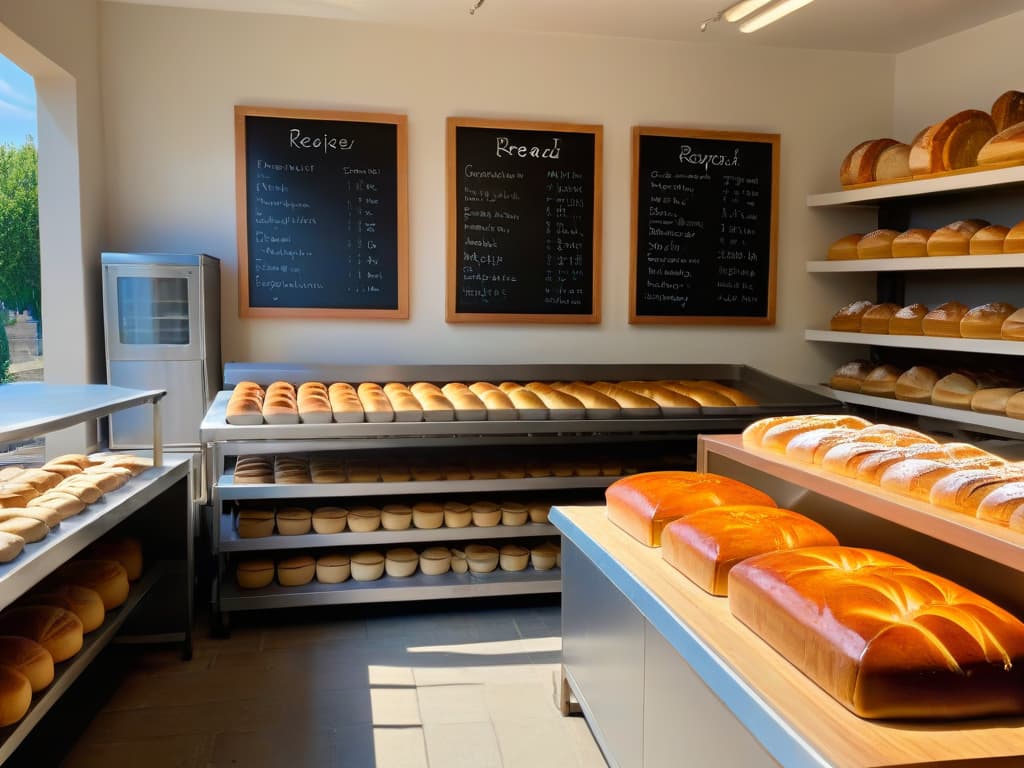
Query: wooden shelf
[[924, 264], [939, 185], [987, 346]]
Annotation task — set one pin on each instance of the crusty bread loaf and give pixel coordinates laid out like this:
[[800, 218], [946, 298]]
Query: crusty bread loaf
[[1008, 110], [908, 320], [993, 399], [705, 545], [1013, 327], [878, 317], [314, 405], [598, 405], [28, 529], [15, 696], [498, 404], [915, 385], [944, 320], [245, 406], [85, 603], [436, 407], [1007, 146], [106, 577], [754, 435], [468, 407], [405, 405], [893, 163], [58, 630], [849, 317], [876, 244], [633, 405], [1004, 506], [643, 504], [810, 447], [28, 657], [63, 504], [986, 321], [952, 143], [376, 405], [279, 409], [955, 390], [881, 381], [1014, 242], [954, 239], [884, 638], [1015, 406], [988, 240], [887, 434], [850, 376], [858, 167], [126, 550], [863, 460], [706, 396], [911, 244], [845, 248], [736, 396], [560, 405], [916, 477], [528, 404], [51, 518], [345, 404], [670, 402], [778, 437], [872, 467], [963, 490]]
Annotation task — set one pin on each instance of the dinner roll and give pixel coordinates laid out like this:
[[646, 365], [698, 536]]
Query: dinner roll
[[15, 696], [58, 630], [107, 577], [28, 657]]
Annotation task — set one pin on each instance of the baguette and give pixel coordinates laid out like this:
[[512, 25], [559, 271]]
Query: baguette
[[376, 405], [708, 398]]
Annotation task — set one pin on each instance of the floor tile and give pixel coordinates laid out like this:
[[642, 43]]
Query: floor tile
[[452, 704], [517, 701], [182, 751], [462, 745], [394, 706], [533, 743], [399, 748], [273, 747]]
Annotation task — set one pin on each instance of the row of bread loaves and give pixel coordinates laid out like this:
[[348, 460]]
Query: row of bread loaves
[[974, 237], [995, 320]]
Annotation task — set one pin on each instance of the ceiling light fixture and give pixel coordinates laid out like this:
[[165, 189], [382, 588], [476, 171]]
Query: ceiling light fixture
[[476, 5], [742, 9], [773, 14]]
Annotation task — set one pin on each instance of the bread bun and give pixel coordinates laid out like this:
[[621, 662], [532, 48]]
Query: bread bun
[[58, 630], [560, 405], [85, 603], [877, 319], [482, 558], [346, 407], [107, 577], [955, 239], [893, 163], [877, 244], [916, 384], [436, 407], [255, 523], [944, 320], [11, 545], [988, 240], [849, 317], [1013, 327], [367, 566], [1007, 146], [293, 521], [908, 320], [986, 321], [845, 248], [363, 519], [881, 381], [328, 520], [29, 658], [15, 696], [669, 401], [435, 561], [333, 568], [850, 376], [858, 167], [911, 244]]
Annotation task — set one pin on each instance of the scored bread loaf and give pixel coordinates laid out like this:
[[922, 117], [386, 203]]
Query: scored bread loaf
[[954, 239], [911, 244], [955, 390], [1004, 506], [1008, 110], [85, 603], [633, 404], [559, 404], [881, 382], [468, 407], [375, 403], [988, 240], [845, 248], [643, 504], [811, 447], [15, 696], [877, 244], [528, 404], [849, 317], [58, 630], [498, 404], [28, 657], [736, 396], [986, 321], [1013, 327], [705, 545], [944, 320], [849, 459], [598, 405], [106, 577], [884, 638], [1014, 242], [436, 407], [915, 385], [754, 435], [963, 490], [244, 409], [669, 401], [777, 437], [993, 399], [314, 404], [850, 376], [878, 317], [893, 163], [1007, 146], [908, 320], [858, 167], [346, 407], [916, 477]]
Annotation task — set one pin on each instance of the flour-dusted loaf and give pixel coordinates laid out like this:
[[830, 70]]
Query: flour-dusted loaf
[[705, 545], [1007, 146], [1004, 506], [878, 318], [858, 167], [963, 490], [955, 239], [643, 504], [915, 385], [881, 381], [944, 320], [850, 376], [784, 428], [845, 248], [911, 244], [908, 320], [849, 317], [986, 321], [810, 447], [876, 244], [883, 637], [988, 240]]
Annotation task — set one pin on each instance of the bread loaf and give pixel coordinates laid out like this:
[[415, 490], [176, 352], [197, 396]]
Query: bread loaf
[[845, 248], [705, 545], [468, 407], [1013, 327], [28, 529], [560, 405], [850, 376], [1015, 406], [955, 391], [705, 396], [597, 404], [881, 382], [878, 317], [1007, 146], [858, 167], [58, 630], [736, 396], [407, 406], [1004, 506], [296, 571], [15, 696], [293, 521], [314, 404], [988, 240], [244, 407], [954, 239], [85, 603], [498, 404], [670, 402], [254, 574], [893, 163], [911, 244], [633, 405], [810, 447], [963, 490], [11, 545], [63, 504], [436, 407], [528, 404], [45, 515], [376, 405], [849, 317], [333, 568], [944, 320], [908, 321], [126, 550], [1008, 110], [328, 520], [986, 321], [877, 244], [871, 467], [884, 638], [993, 399], [1014, 242], [754, 435], [346, 407], [886, 434], [952, 143], [916, 384], [862, 460], [107, 577], [643, 504], [29, 658]]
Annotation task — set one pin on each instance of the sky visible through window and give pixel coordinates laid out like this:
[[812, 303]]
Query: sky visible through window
[[17, 105]]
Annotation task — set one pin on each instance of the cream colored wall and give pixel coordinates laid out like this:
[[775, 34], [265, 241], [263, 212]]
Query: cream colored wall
[[172, 77]]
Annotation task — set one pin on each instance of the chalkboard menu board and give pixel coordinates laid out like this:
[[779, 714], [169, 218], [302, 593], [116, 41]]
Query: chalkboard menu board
[[322, 213], [704, 227], [524, 222]]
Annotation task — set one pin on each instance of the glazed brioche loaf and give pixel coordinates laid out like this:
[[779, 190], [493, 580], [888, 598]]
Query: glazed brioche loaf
[[944, 320], [911, 244], [908, 320], [849, 317], [643, 504], [858, 167], [877, 244], [845, 248], [884, 638], [705, 545], [878, 317]]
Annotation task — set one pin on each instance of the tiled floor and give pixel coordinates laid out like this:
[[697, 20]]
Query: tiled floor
[[438, 687]]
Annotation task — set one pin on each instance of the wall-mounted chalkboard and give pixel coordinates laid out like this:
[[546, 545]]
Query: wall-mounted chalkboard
[[322, 205], [524, 222], [704, 221]]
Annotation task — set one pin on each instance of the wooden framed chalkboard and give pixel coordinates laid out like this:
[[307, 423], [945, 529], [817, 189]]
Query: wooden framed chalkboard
[[704, 227], [322, 209], [524, 222]]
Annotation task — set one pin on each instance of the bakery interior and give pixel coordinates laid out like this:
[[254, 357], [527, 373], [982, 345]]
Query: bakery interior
[[427, 531]]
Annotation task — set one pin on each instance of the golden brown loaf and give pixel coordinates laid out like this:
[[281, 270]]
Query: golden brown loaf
[[1014, 242], [314, 404], [376, 405], [1004, 506], [858, 167], [952, 143], [754, 435], [643, 504], [405, 405], [436, 407], [916, 384], [528, 404], [988, 240], [1007, 146], [893, 163], [597, 404], [850, 376], [993, 399], [944, 320], [58, 630], [963, 490], [1015, 406], [345, 403], [908, 320], [986, 321], [845, 248], [126, 550], [293, 521], [245, 405], [11, 545], [28, 529], [85, 603], [955, 390], [498, 404], [954, 239], [877, 244], [632, 403], [810, 447], [881, 382], [878, 317], [559, 404], [668, 400], [1013, 327], [1008, 110], [911, 244], [705, 396], [107, 577], [884, 638], [705, 545], [849, 317], [468, 407], [296, 571], [29, 658], [15, 696]]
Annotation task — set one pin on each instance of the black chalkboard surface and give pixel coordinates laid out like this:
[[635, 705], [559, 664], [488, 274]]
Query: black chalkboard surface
[[704, 227], [524, 221], [322, 213]]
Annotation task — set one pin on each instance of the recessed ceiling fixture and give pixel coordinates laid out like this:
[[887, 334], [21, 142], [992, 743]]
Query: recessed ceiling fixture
[[737, 11]]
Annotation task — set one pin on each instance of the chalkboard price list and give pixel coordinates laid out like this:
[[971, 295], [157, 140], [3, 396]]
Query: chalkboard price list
[[566, 282]]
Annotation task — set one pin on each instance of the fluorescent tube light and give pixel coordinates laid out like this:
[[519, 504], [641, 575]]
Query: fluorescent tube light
[[773, 14], [742, 9]]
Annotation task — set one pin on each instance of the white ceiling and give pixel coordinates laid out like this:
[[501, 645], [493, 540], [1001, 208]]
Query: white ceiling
[[884, 26]]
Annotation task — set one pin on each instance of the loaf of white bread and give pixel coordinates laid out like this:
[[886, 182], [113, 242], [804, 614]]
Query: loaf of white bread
[[886, 639]]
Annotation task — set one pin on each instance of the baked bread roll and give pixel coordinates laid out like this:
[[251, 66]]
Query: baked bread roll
[[986, 321], [878, 317], [406, 406], [39, 479], [881, 382], [134, 464], [63, 504], [45, 515], [58, 630], [1014, 242], [436, 407], [528, 404], [944, 320], [884, 638], [314, 403], [955, 390], [845, 248], [963, 490], [849, 317], [858, 167], [560, 405], [106, 577], [254, 574], [85, 603], [754, 435], [908, 321], [346, 407], [244, 409], [1007, 146], [633, 404], [916, 384], [363, 519], [988, 240], [28, 529], [993, 399], [11, 545], [296, 571], [951, 144], [1008, 110], [401, 562], [893, 163], [643, 504], [877, 244], [1004, 506], [376, 405], [706, 397], [498, 404], [367, 566], [468, 407], [736, 396], [29, 658], [705, 545], [597, 404], [1013, 327], [293, 521], [329, 519], [954, 239], [15, 696], [670, 402], [850, 376], [333, 568], [126, 550], [911, 244], [281, 404]]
